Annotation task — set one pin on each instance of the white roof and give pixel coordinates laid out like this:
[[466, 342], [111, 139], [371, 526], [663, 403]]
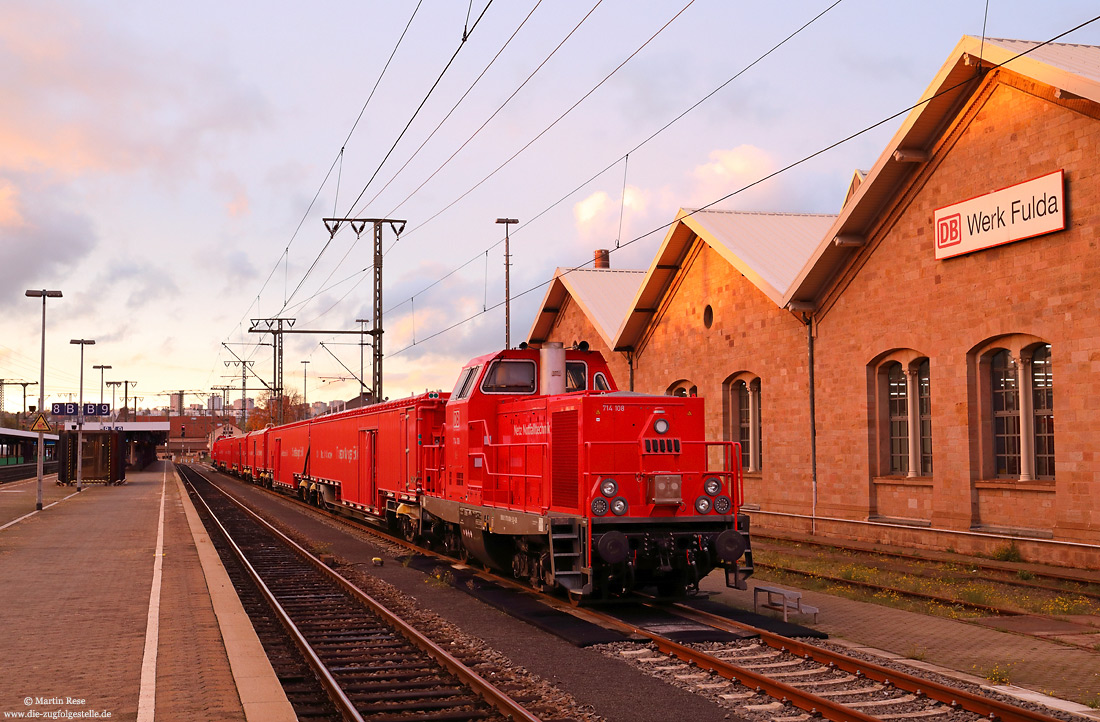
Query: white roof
[[769, 248], [603, 294]]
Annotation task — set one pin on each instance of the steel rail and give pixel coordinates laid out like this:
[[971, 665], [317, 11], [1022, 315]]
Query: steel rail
[[985, 706], [969, 561], [1000, 711], [484, 688], [343, 704]]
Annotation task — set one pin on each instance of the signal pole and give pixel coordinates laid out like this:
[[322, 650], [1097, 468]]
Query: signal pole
[[359, 225]]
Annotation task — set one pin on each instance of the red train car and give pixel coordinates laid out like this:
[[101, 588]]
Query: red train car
[[538, 464]]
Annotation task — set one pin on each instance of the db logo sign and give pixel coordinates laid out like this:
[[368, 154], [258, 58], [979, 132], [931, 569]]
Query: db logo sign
[[949, 231]]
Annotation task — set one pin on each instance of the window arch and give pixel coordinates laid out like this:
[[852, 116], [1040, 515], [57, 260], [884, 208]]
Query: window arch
[[682, 388], [903, 420], [1015, 396], [742, 418]]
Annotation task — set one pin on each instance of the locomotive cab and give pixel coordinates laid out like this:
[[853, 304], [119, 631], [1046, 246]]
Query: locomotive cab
[[552, 472]]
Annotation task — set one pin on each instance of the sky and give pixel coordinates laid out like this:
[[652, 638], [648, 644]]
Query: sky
[[167, 165]]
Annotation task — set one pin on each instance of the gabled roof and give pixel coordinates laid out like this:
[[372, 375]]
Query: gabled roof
[[603, 294], [767, 248], [1073, 69]]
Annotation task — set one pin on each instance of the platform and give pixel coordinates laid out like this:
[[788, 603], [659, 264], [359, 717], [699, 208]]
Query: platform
[[95, 621]]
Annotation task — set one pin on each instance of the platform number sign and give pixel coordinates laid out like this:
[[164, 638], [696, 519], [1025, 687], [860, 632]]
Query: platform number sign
[[65, 409], [97, 409]]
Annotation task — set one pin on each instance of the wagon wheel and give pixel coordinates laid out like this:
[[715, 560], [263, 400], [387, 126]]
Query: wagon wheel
[[575, 598]]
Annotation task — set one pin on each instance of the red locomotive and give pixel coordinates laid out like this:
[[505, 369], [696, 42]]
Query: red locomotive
[[534, 463]]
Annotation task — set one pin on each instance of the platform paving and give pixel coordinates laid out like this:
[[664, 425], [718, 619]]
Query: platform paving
[[971, 651], [76, 581]]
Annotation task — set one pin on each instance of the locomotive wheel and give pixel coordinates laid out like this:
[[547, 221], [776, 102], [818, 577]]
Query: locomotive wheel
[[408, 529]]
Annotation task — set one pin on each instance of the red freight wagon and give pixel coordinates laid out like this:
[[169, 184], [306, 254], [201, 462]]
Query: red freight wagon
[[253, 453], [288, 454]]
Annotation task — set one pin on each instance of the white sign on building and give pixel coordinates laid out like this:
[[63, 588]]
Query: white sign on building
[[1025, 210]]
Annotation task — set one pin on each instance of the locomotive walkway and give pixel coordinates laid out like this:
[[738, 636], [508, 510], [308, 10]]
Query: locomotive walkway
[[95, 621]]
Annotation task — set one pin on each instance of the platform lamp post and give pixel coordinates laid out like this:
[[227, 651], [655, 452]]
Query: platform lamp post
[[82, 342], [507, 291], [101, 368], [44, 294]]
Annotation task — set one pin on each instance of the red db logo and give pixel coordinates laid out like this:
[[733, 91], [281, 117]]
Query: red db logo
[[949, 231]]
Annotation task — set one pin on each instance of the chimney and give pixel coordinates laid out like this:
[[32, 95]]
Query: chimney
[[603, 258]]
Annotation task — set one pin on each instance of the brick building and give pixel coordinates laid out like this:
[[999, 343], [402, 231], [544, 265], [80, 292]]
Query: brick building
[[948, 309]]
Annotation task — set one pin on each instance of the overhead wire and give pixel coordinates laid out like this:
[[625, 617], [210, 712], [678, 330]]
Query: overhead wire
[[462, 43], [637, 147], [328, 174], [758, 181], [547, 129]]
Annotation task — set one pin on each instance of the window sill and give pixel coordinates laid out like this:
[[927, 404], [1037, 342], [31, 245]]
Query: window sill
[[902, 480], [1041, 485], [1019, 532]]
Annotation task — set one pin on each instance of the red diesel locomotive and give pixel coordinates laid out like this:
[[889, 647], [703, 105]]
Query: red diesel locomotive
[[534, 463]]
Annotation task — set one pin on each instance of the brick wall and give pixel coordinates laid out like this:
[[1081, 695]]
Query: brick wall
[[897, 296], [749, 333]]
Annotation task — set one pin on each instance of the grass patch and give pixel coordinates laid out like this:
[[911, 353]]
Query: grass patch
[[997, 674], [1007, 552]]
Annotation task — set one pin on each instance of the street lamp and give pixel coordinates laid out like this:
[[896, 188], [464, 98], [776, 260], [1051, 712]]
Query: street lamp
[[82, 342], [44, 294], [101, 368], [507, 293]]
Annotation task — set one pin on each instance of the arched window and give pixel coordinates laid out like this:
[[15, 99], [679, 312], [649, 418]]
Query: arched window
[[898, 401], [1042, 389], [904, 413], [924, 386], [1006, 415], [743, 419]]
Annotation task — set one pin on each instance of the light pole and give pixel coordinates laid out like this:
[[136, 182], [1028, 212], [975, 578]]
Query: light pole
[[44, 294], [507, 291], [305, 395], [82, 342], [101, 368]]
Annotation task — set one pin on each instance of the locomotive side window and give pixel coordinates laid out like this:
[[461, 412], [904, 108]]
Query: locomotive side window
[[576, 376], [508, 376], [600, 383], [465, 381]]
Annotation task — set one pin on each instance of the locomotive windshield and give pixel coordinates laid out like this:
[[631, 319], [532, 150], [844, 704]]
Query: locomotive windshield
[[576, 376], [510, 376], [465, 382]]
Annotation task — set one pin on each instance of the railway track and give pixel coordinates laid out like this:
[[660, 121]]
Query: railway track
[[779, 678], [372, 664], [1002, 572]]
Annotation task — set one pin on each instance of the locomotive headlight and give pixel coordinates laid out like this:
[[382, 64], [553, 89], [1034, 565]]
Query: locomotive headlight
[[660, 426], [608, 488], [712, 485], [599, 506], [722, 505], [619, 506], [702, 504]]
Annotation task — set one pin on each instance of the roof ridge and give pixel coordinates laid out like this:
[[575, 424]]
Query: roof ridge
[[1039, 42], [693, 211]]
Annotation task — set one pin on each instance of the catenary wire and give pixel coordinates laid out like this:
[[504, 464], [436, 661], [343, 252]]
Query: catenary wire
[[611, 165], [757, 182]]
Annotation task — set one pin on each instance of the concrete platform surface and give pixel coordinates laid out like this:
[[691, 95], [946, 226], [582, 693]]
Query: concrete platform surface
[[79, 581]]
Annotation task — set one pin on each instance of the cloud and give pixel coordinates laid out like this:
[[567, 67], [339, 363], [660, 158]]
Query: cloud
[[728, 171], [597, 217], [88, 97], [43, 236]]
